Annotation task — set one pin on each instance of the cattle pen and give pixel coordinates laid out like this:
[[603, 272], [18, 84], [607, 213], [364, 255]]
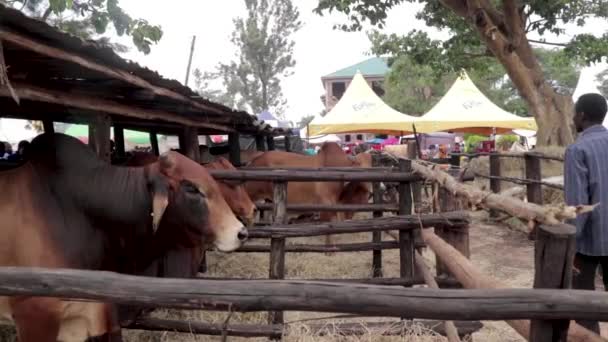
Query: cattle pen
[[548, 306]]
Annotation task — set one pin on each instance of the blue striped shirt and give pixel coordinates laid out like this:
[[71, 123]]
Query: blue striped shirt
[[586, 182]]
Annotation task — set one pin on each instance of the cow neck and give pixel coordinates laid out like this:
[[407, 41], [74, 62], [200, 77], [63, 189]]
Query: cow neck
[[114, 195]]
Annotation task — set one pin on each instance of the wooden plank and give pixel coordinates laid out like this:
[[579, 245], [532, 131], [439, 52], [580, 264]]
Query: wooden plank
[[190, 143], [277, 244], [119, 140], [470, 277], [48, 126], [289, 295], [287, 139], [375, 207], [406, 238], [33, 93], [377, 236], [235, 149], [101, 137], [554, 256], [260, 143], [408, 222], [277, 330], [154, 143], [57, 53], [338, 248], [306, 176], [412, 152], [270, 142], [533, 172], [494, 182], [448, 282]]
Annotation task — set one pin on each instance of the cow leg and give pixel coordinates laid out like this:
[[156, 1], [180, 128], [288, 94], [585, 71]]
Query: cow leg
[[37, 319]]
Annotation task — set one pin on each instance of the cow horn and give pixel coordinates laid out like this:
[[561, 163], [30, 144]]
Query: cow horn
[[160, 200]]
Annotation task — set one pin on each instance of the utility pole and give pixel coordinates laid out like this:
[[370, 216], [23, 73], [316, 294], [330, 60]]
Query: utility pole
[[190, 60]]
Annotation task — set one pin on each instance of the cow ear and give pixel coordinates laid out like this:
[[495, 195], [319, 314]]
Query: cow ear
[[160, 199]]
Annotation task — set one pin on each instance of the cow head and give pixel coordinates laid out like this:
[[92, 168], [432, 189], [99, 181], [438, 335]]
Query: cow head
[[195, 189], [234, 192]]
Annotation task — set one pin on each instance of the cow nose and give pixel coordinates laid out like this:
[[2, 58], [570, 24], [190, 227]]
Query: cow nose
[[243, 234]]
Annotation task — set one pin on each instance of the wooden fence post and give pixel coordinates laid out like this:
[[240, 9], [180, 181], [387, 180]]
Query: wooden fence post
[[277, 245], [417, 186], [457, 238], [188, 143], [119, 141], [287, 140], [154, 144], [235, 149], [406, 237], [48, 127], [494, 172], [376, 236], [260, 143], [534, 192], [270, 142], [553, 258], [101, 136]]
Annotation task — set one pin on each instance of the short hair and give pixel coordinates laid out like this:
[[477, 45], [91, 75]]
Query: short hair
[[593, 106]]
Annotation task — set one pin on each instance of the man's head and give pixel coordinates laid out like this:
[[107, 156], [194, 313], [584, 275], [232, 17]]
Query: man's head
[[589, 110]]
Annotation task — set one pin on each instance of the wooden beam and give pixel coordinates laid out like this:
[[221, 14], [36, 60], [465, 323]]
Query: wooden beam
[[287, 140], [48, 126], [470, 277], [277, 244], [101, 137], [123, 75], [407, 251], [119, 141], [270, 142], [235, 149], [289, 295], [260, 143], [28, 92], [307, 176], [154, 143], [188, 143]]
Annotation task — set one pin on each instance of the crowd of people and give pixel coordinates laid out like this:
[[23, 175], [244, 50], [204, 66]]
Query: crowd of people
[[6, 151]]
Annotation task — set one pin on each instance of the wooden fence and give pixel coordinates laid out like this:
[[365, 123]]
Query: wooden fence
[[371, 297]]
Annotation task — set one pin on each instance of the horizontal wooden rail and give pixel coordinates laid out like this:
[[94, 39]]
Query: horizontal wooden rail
[[511, 155], [335, 207], [314, 176], [407, 282], [521, 181], [272, 295], [277, 330], [406, 222], [349, 247], [317, 169]]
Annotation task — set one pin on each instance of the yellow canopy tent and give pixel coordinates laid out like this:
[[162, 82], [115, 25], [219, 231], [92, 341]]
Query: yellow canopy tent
[[360, 110], [464, 108]]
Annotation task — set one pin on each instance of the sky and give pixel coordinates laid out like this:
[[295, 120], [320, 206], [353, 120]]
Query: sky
[[319, 49]]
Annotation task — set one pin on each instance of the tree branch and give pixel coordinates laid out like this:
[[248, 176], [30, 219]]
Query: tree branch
[[547, 43]]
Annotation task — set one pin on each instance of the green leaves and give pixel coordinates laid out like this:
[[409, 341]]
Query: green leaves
[[92, 17]]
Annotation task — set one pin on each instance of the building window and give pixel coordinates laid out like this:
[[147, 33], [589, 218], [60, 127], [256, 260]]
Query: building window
[[338, 89], [359, 136], [347, 138], [378, 88]]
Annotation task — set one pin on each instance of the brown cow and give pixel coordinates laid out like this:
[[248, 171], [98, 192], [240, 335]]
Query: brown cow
[[64, 208], [330, 155], [234, 193]]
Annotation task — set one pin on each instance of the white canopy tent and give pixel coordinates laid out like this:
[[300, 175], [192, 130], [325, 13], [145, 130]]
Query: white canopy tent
[[360, 110], [587, 83], [15, 130], [464, 108]]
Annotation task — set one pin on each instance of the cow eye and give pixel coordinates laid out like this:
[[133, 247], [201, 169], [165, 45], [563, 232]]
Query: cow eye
[[192, 189]]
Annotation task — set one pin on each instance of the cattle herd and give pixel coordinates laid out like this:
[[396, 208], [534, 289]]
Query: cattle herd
[[154, 216]]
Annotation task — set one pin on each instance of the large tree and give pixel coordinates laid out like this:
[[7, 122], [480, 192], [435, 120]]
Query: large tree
[[90, 19], [602, 78], [500, 29], [413, 88], [264, 56]]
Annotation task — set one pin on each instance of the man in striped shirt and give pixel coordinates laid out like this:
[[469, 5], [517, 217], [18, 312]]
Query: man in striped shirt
[[586, 182]]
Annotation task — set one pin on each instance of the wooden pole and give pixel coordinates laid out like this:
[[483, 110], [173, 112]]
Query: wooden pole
[[554, 256], [417, 186], [277, 245], [260, 143], [470, 278], [48, 126], [422, 267], [406, 238], [101, 136], [376, 236], [494, 172], [534, 192], [154, 143], [235, 149], [119, 141], [190, 60], [270, 142], [189, 143]]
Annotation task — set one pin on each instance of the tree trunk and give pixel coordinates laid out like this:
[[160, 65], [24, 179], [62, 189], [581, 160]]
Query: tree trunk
[[503, 34]]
